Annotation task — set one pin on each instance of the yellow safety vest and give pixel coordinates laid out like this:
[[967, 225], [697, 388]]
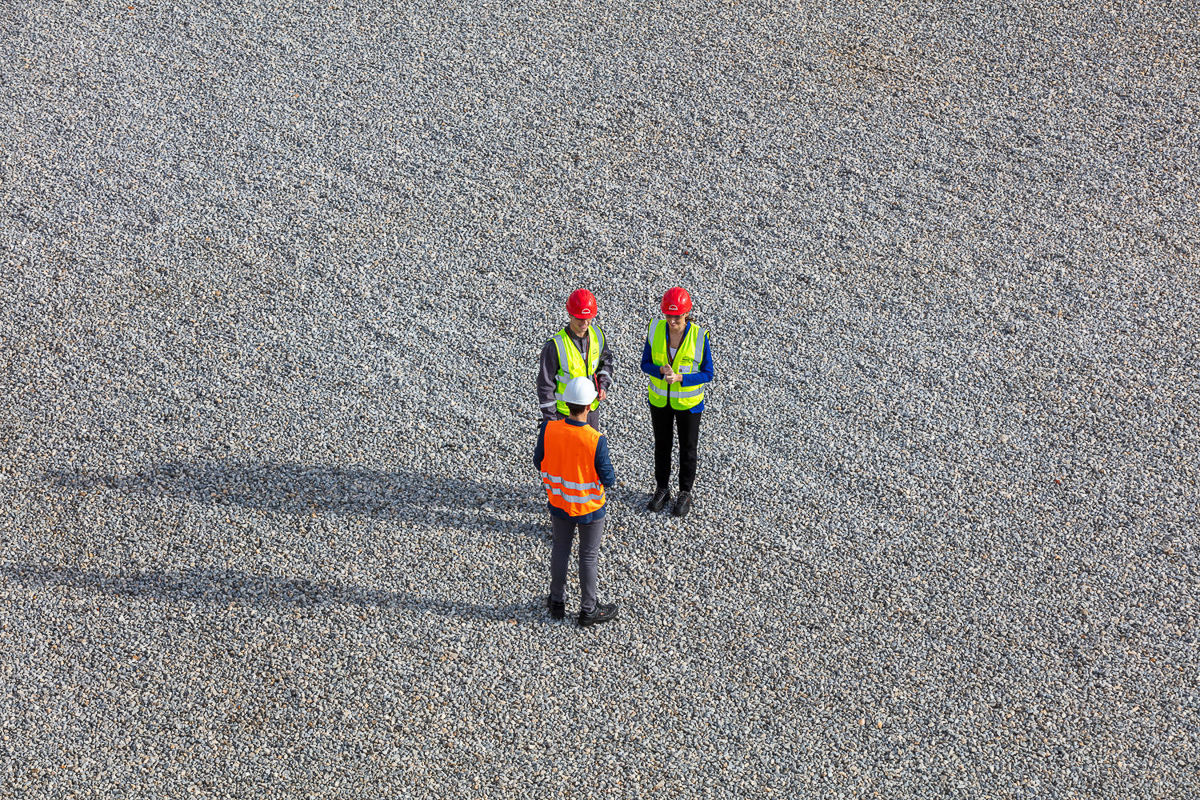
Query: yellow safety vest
[[688, 358], [570, 363]]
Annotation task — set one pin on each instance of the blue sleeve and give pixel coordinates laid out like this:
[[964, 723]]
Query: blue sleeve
[[539, 451], [705, 373], [603, 464], [648, 365]]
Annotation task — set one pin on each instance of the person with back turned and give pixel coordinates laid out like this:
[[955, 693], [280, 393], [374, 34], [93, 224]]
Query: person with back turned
[[575, 467]]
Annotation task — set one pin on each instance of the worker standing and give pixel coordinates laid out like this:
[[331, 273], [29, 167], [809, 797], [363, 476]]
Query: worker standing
[[573, 459], [578, 350], [678, 359]]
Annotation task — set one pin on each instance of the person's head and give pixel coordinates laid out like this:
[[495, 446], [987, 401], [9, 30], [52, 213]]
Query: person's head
[[676, 307], [579, 395], [581, 305], [579, 326]]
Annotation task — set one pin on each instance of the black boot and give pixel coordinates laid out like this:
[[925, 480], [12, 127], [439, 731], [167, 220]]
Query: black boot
[[603, 612], [659, 500], [558, 610], [683, 504]]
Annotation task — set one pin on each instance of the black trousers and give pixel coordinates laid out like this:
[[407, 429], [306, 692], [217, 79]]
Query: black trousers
[[665, 420]]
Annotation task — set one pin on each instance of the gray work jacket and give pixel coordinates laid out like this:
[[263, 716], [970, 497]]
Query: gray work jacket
[[547, 379]]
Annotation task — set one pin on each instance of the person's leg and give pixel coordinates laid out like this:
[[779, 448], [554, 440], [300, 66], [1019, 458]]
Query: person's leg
[[560, 554], [663, 421], [689, 438], [594, 419], [589, 555]]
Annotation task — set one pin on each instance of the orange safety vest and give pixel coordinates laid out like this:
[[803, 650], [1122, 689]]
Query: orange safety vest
[[569, 468]]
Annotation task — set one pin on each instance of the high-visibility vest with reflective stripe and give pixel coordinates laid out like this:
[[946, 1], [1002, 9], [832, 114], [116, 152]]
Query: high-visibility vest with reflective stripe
[[569, 468], [571, 363], [687, 360]]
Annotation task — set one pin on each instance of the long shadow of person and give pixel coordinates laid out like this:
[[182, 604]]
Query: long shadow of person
[[303, 489], [219, 588]]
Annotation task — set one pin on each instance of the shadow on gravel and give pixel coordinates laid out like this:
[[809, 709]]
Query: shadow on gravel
[[222, 588], [306, 489]]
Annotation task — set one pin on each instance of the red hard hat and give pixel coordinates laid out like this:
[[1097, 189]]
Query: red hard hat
[[581, 304], [676, 301]]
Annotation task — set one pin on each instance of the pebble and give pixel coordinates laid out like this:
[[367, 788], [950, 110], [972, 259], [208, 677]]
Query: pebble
[[275, 284]]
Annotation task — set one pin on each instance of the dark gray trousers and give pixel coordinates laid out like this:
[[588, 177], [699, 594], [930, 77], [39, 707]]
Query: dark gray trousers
[[589, 552]]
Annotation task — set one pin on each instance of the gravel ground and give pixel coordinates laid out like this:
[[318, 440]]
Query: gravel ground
[[275, 282]]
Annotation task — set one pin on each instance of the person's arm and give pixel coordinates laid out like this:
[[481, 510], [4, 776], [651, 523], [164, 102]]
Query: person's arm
[[539, 450], [547, 381], [652, 369], [603, 464], [605, 368], [705, 373], [648, 365]]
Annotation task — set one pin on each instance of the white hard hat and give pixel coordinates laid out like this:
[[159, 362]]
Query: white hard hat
[[580, 391]]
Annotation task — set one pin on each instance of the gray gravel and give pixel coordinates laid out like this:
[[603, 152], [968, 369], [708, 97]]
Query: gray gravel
[[274, 285]]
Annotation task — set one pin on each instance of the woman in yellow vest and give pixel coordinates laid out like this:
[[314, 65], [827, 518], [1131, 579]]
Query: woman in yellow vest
[[573, 459], [678, 359]]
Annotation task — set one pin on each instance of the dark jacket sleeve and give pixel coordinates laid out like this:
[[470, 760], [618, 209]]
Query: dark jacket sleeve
[[547, 381], [603, 465], [648, 365], [539, 450], [604, 370]]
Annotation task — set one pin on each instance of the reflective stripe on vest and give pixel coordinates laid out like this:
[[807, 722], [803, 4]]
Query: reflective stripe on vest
[[688, 358], [571, 364], [569, 468]]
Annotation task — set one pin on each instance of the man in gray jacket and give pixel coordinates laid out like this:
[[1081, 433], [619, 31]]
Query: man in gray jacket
[[578, 350]]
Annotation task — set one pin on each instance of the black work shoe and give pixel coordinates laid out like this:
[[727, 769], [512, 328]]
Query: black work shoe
[[683, 504], [558, 610], [659, 500], [603, 612]]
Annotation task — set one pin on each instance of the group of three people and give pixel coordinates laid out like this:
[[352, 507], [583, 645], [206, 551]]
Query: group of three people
[[575, 373]]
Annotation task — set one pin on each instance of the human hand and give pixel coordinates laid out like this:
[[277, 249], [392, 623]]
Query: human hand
[[603, 394], [674, 377], [665, 370]]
